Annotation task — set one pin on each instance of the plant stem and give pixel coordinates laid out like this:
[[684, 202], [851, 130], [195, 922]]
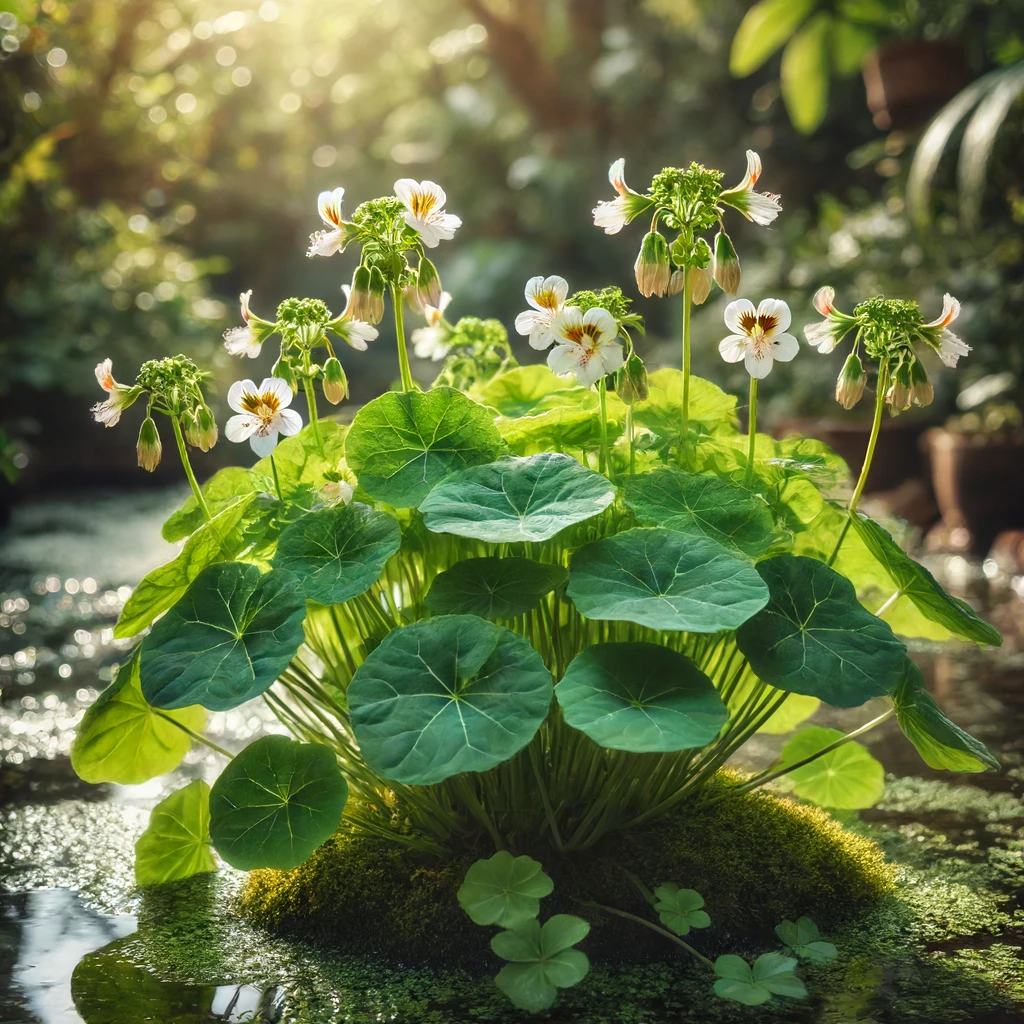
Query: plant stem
[[654, 928], [687, 304], [277, 479], [890, 601], [198, 737], [751, 429], [403, 353], [183, 452], [314, 420], [605, 457]]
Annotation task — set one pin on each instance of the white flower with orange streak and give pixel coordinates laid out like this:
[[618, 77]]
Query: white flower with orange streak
[[332, 238], [263, 413], [547, 297], [120, 395], [760, 207], [614, 214], [585, 345], [949, 347], [759, 335], [424, 210]]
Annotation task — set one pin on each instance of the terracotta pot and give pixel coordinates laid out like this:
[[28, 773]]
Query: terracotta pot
[[907, 82], [979, 487]]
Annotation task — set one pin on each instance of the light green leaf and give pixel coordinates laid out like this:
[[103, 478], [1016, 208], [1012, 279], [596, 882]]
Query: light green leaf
[[805, 72], [176, 843], [493, 588], [794, 712], [773, 974], [850, 44], [710, 406], [404, 443], [640, 697], [337, 553], [226, 640], [690, 502], [447, 695], [815, 638], [224, 488], [122, 739], [764, 28], [543, 960], [918, 584], [941, 743], [847, 778], [566, 420], [275, 803], [680, 909], [665, 580], [504, 890], [519, 391], [302, 466], [222, 537], [517, 499], [804, 939]]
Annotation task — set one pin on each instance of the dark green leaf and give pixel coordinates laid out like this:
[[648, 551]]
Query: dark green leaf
[[493, 588], [640, 697], [517, 499], [772, 975], [226, 640], [566, 420], [680, 909], [303, 467], [504, 890], [815, 638], [847, 778], [176, 843], [275, 803], [665, 580], [224, 488], [804, 939], [447, 695]]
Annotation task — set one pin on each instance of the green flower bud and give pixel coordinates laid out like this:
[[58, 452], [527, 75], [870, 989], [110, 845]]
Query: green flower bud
[[631, 381], [727, 264], [376, 300], [921, 391], [428, 283], [149, 447], [701, 280], [207, 425], [851, 381], [652, 267], [282, 369], [359, 304], [900, 393], [335, 381]]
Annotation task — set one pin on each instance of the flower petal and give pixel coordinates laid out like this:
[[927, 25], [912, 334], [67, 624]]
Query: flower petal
[[531, 320], [105, 375], [237, 390], [611, 357], [950, 311], [264, 444], [565, 359], [404, 189], [617, 176], [758, 367], [605, 324], [288, 421], [279, 388], [569, 319], [823, 299], [784, 347], [240, 428], [328, 205], [777, 309], [547, 293], [735, 311], [820, 336], [733, 348]]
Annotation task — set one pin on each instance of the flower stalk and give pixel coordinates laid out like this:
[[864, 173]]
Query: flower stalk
[[187, 466], [403, 351]]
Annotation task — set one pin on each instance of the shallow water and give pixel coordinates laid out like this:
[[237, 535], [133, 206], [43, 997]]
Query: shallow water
[[67, 906]]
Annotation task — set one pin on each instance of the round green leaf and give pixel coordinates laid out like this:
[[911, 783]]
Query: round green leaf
[[337, 553], [275, 803], [847, 778], [493, 588], [640, 697], [519, 391], [764, 28], [693, 503], [804, 74], [772, 975], [680, 909], [447, 695], [569, 419], [405, 442], [815, 638], [517, 499], [665, 580], [122, 739], [941, 743], [226, 640], [803, 938], [504, 890], [176, 843]]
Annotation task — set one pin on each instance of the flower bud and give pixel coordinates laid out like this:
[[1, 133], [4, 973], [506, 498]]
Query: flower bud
[[653, 271], [359, 297], [900, 390], [428, 283], [631, 381], [921, 391], [727, 264], [851, 382], [675, 283], [701, 279], [412, 297], [282, 369], [191, 425], [335, 381], [207, 436], [376, 302], [149, 447]]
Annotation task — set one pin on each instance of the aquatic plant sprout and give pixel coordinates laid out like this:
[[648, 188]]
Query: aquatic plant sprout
[[529, 604]]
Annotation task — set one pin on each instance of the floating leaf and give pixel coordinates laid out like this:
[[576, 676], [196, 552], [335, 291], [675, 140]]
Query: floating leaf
[[176, 843], [447, 695], [665, 580], [275, 803], [405, 442], [941, 743], [517, 499], [640, 697], [543, 960], [504, 890], [493, 588], [815, 638], [847, 778], [804, 939], [224, 488], [917, 583], [226, 640], [691, 502], [680, 909], [337, 553], [772, 975], [122, 739]]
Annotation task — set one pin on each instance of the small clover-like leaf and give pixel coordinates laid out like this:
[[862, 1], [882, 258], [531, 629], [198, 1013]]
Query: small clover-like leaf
[[804, 939], [176, 843], [504, 890], [680, 909], [772, 975]]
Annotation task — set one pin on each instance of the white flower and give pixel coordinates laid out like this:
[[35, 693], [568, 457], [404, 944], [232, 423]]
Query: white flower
[[263, 413], [332, 239], [432, 341], [355, 333], [547, 296], [243, 341], [424, 210], [585, 344], [614, 214], [945, 342], [121, 396], [758, 335], [760, 207]]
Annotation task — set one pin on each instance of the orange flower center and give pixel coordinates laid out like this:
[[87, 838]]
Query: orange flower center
[[582, 334], [422, 203], [265, 406]]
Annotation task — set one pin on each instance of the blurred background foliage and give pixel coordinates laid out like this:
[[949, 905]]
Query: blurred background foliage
[[157, 157]]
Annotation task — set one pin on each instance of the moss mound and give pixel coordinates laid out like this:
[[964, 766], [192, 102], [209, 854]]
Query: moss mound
[[756, 859]]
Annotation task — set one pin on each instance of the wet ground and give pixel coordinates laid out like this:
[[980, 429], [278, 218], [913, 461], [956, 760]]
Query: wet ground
[[68, 911]]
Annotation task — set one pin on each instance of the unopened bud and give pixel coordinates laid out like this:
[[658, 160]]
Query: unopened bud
[[899, 395], [335, 381], [191, 425], [851, 382], [675, 283], [376, 303], [727, 264], [282, 369], [207, 425], [428, 283], [701, 279], [359, 297], [631, 381], [149, 447], [921, 390], [652, 267]]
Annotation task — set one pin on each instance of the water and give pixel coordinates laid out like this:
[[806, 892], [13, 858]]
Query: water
[[68, 910]]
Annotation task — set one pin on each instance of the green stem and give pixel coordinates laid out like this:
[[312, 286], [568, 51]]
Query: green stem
[[277, 479], [629, 435], [183, 452], [605, 457], [654, 928], [752, 430], [198, 737], [545, 799], [403, 352], [687, 304], [314, 419]]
